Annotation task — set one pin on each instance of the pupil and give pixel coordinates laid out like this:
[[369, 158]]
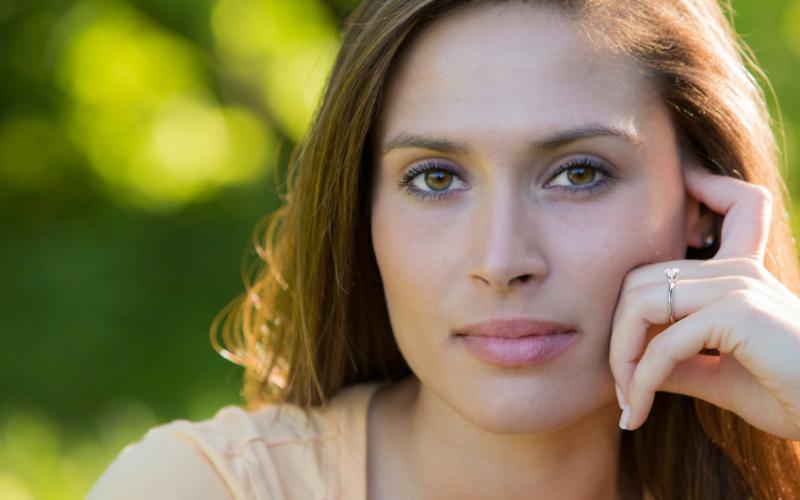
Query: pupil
[[438, 180], [580, 175]]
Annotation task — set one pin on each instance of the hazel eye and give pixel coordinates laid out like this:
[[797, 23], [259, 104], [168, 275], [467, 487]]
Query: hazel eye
[[438, 180], [432, 180], [580, 175]]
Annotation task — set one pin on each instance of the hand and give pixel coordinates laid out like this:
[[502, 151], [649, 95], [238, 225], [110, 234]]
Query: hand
[[730, 303]]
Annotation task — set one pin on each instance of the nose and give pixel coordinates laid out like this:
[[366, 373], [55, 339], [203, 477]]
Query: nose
[[506, 245]]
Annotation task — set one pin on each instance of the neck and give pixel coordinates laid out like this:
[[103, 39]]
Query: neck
[[439, 454]]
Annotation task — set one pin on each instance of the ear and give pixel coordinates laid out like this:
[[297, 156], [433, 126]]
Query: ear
[[700, 222]]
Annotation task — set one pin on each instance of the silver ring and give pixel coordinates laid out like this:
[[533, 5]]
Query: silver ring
[[672, 278]]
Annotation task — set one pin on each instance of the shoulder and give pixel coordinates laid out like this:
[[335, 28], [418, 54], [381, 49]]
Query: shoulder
[[276, 451], [162, 463]]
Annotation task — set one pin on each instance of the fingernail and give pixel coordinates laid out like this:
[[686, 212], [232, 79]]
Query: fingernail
[[620, 396], [623, 421]]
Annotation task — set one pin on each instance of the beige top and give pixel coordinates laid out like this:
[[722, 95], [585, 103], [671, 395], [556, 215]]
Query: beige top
[[276, 452]]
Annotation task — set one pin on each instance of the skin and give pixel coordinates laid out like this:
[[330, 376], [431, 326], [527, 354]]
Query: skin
[[508, 242]]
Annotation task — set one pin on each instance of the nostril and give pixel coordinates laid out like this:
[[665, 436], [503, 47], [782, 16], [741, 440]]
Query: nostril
[[499, 280]]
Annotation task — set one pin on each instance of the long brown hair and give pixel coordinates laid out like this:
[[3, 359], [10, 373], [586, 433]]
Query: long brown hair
[[313, 318]]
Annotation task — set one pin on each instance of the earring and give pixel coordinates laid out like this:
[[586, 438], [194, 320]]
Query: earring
[[708, 239]]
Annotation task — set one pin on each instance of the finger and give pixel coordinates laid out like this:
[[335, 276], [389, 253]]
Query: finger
[[640, 308], [746, 207], [724, 382], [711, 379], [698, 377], [693, 269], [676, 344]]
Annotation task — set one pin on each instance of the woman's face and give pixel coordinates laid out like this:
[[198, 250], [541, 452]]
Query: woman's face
[[495, 229]]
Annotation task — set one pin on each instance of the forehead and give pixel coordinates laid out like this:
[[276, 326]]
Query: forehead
[[505, 69]]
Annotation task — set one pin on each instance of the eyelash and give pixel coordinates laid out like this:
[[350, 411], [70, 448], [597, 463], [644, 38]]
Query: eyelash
[[405, 182]]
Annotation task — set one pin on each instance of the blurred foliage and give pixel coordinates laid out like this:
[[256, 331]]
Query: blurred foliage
[[137, 145]]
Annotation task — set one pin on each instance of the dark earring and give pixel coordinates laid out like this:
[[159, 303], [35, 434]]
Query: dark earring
[[708, 239]]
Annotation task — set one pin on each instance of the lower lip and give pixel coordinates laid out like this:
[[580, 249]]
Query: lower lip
[[530, 350]]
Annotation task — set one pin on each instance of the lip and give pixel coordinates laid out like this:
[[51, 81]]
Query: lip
[[514, 328], [516, 342]]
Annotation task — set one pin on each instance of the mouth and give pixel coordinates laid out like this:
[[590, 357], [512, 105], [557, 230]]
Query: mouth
[[516, 342], [515, 328]]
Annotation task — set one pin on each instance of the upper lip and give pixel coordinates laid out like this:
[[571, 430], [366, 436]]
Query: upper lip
[[514, 328]]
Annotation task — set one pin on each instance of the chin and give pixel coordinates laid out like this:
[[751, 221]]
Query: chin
[[522, 403], [513, 413]]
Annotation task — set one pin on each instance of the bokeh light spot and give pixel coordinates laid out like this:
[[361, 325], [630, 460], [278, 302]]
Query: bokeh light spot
[[144, 115], [285, 47], [190, 139]]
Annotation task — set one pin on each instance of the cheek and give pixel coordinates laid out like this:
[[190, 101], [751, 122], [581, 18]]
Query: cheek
[[397, 242], [416, 254], [421, 262], [599, 244]]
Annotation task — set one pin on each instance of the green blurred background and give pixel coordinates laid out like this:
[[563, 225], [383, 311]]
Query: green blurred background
[[139, 142]]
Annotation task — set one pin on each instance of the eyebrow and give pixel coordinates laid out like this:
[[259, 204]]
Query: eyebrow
[[547, 144]]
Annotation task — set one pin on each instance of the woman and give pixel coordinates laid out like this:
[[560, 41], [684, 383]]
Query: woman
[[504, 213]]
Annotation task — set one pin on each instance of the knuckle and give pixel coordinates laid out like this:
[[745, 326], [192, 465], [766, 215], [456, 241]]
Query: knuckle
[[628, 305], [752, 268], [745, 267], [743, 282], [639, 276], [630, 280], [739, 295], [763, 194], [633, 298], [763, 198], [624, 300], [759, 271]]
